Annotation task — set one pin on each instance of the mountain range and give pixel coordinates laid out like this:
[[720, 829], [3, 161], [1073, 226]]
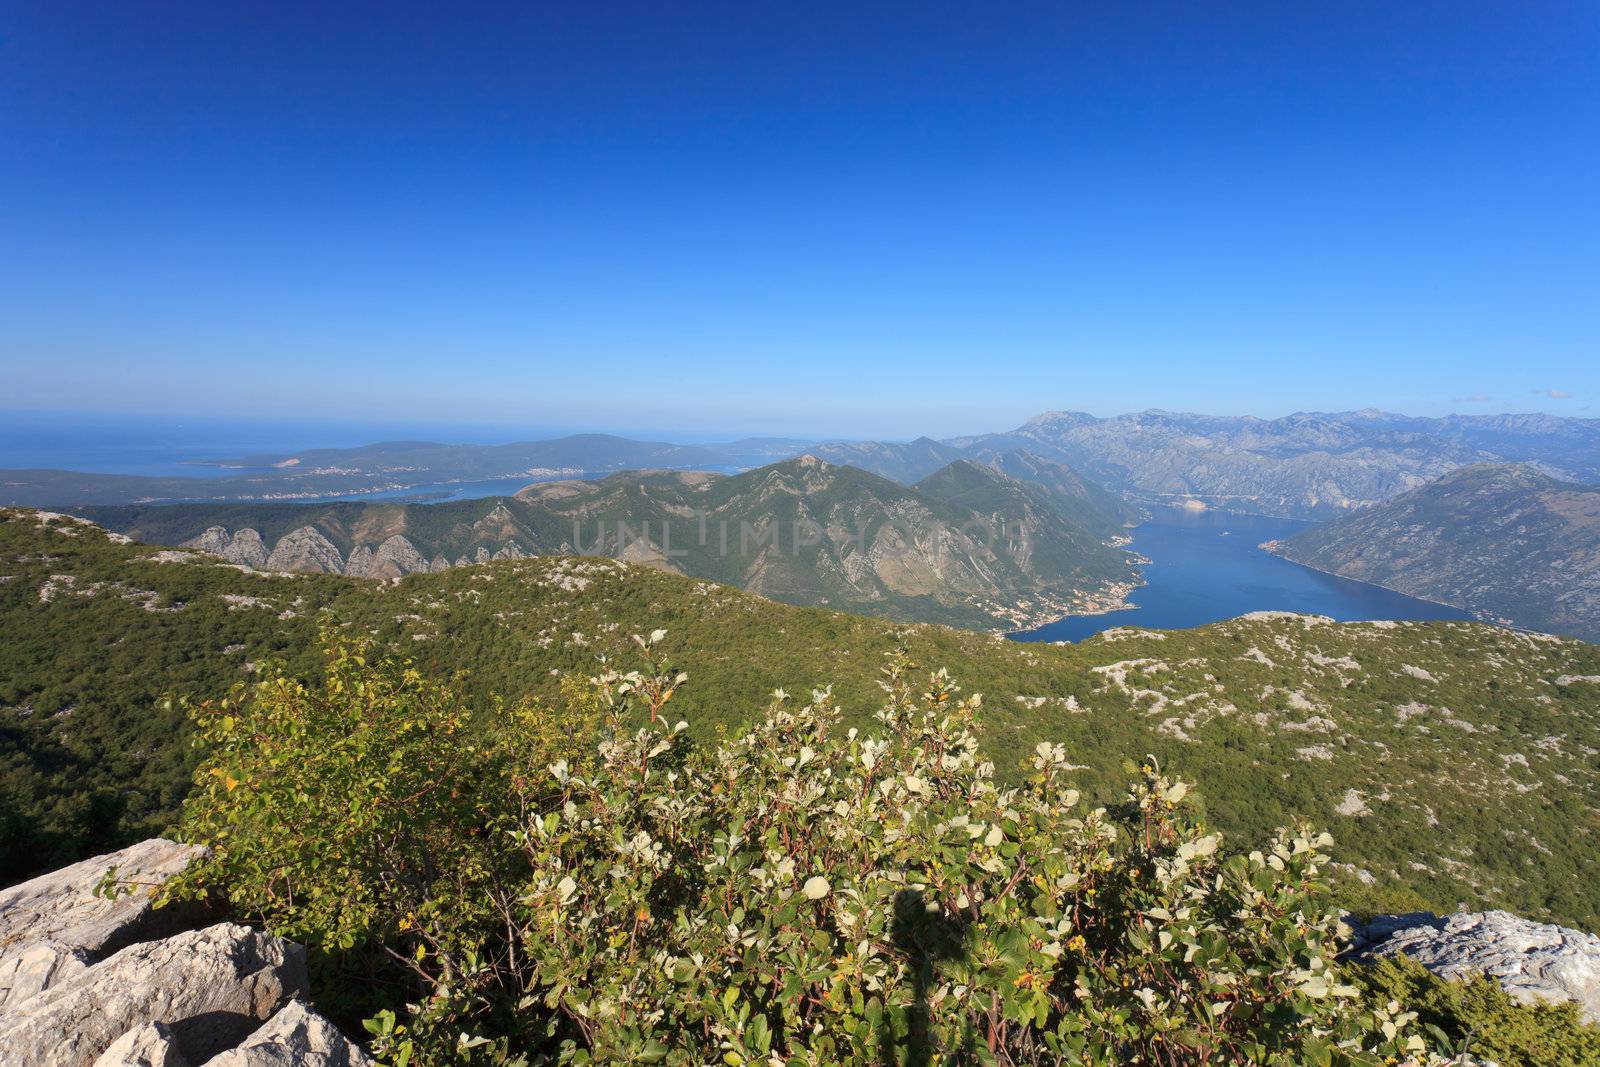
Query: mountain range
[[1304, 466], [1307, 465], [1508, 543], [968, 545]]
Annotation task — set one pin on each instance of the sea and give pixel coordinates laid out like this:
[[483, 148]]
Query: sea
[[1206, 566]]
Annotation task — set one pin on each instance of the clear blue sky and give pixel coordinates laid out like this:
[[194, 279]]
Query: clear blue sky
[[865, 219]]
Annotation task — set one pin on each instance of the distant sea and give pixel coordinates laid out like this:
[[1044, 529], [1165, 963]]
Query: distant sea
[[171, 445], [1205, 567]]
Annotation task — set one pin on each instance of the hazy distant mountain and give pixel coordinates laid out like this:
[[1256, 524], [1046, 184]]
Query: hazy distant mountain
[[1502, 541], [968, 546], [1307, 465]]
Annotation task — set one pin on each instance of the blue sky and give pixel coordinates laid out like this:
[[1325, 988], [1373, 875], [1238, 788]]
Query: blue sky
[[854, 219]]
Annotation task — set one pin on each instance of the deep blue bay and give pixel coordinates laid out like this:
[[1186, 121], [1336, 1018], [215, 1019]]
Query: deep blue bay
[[1205, 567]]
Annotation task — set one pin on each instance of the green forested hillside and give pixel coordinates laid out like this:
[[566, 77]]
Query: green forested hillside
[[1452, 762]]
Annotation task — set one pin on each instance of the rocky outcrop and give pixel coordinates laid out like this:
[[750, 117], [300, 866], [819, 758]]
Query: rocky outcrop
[[1531, 961], [308, 550], [88, 980], [244, 548], [510, 550], [396, 556], [54, 928], [215, 540], [247, 549], [305, 550], [211, 986]]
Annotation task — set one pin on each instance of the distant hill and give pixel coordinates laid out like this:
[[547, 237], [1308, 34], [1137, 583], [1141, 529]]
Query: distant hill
[[1504, 542], [1453, 762], [969, 546]]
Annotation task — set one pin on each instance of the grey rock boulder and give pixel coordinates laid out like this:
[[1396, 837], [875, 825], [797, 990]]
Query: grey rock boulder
[[1532, 961], [210, 987], [54, 927], [295, 1037], [150, 1045]]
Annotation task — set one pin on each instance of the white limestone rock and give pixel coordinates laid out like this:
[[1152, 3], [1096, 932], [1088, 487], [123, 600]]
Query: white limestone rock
[[53, 927], [150, 1045], [1531, 961], [295, 1037], [396, 556], [210, 987]]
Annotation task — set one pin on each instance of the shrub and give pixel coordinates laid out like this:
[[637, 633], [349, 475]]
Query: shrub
[[800, 893], [1480, 1018]]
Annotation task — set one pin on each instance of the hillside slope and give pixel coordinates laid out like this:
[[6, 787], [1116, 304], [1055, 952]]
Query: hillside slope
[[1504, 542], [1452, 761]]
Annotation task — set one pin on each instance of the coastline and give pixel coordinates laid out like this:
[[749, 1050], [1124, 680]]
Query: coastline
[[1271, 548]]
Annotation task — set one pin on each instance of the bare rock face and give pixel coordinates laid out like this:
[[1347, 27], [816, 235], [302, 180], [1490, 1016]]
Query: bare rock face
[[150, 1045], [359, 563], [1531, 961], [295, 1037], [211, 987], [510, 550], [244, 548], [396, 556], [305, 550], [54, 928], [215, 540]]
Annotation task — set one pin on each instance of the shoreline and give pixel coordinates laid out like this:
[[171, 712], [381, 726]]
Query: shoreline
[[1387, 588]]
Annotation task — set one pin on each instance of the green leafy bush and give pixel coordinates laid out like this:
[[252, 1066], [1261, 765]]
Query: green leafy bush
[[1480, 1018], [800, 893]]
